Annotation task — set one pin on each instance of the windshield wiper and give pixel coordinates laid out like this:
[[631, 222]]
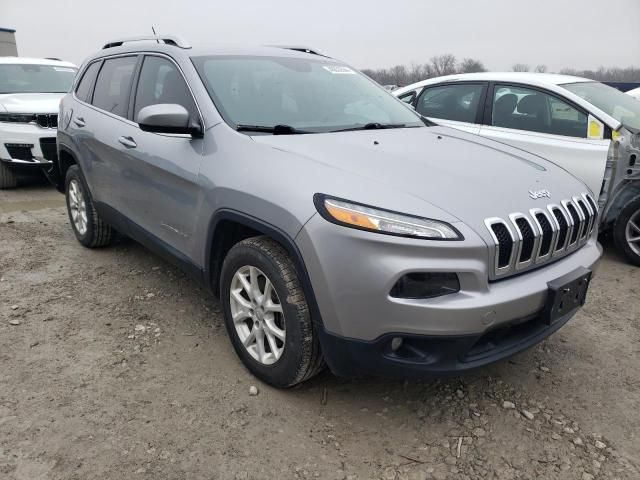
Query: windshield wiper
[[372, 126], [276, 130]]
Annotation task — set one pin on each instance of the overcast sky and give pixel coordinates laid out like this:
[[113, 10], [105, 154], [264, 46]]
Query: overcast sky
[[368, 34]]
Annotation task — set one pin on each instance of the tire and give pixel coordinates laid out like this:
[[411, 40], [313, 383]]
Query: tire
[[628, 226], [8, 178], [282, 362], [91, 231]]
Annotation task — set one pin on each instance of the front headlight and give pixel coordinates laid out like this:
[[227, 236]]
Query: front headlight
[[363, 217], [17, 117]]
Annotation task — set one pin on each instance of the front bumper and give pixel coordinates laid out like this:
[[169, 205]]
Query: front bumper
[[27, 145], [423, 356], [352, 273]]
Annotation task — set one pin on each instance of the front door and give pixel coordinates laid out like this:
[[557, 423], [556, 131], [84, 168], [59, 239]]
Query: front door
[[160, 171]]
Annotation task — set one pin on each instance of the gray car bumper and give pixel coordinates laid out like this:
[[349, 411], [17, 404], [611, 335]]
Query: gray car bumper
[[352, 273]]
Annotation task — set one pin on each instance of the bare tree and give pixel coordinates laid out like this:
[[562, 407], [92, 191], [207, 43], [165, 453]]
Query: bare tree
[[443, 64], [520, 67], [615, 74], [470, 65], [446, 65]]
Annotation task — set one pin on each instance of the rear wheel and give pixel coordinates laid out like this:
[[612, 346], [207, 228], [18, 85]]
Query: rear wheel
[[8, 178], [627, 231], [266, 313], [90, 230]]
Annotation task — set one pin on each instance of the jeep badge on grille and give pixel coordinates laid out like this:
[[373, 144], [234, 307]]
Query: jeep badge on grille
[[539, 194]]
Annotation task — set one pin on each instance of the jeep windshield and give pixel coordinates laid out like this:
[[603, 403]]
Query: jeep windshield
[[33, 78], [620, 106], [298, 95]]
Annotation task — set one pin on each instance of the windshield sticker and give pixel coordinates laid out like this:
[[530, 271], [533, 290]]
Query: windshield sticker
[[64, 69], [339, 70]]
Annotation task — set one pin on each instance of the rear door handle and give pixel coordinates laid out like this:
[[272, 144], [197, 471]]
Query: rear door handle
[[128, 142], [79, 121]]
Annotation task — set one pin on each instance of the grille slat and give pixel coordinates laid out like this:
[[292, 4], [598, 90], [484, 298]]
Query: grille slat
[[547, 234], [528, 239], [576, 223], [564, 228], [541, 235], [505, 244], [587, 219]]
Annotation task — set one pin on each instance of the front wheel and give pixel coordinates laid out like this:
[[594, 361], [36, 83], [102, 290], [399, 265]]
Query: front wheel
[[266, 313], [627, 231]]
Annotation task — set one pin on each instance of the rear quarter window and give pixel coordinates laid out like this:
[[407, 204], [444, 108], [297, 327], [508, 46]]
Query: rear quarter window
[[85, 86]]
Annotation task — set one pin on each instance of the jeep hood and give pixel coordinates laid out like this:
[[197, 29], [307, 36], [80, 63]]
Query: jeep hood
[[30, 102], [467, 176]]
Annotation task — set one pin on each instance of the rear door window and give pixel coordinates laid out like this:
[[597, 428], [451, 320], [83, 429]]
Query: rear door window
[[457, 102], [113, 85], [85, 87], [536, 111]]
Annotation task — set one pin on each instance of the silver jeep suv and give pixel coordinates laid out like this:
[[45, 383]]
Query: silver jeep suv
[[336, 225]]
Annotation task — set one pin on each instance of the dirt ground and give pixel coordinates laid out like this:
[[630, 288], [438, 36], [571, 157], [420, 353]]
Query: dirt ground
[[114, 365]]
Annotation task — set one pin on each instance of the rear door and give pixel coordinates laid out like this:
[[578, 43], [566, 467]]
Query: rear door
[[160, 171], [458, 105], [550, 126], [96, 124]]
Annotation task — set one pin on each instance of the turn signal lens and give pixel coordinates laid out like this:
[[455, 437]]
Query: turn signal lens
[[383, 221]]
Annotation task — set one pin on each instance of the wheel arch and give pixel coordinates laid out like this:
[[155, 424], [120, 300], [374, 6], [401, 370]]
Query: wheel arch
[[66, 158], [628, 193], [227, 227]]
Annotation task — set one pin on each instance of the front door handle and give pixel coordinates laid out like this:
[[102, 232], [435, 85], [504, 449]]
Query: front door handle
[[128, 142], [79, 121]]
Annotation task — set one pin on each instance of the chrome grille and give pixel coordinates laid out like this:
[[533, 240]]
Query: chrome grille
[[534, 238]]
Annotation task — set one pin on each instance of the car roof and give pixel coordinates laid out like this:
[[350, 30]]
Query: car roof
[[35, 61], [540, 79]]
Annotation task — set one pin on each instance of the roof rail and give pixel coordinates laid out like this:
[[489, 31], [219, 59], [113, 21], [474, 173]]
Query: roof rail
[[173, 40], [300, 48]]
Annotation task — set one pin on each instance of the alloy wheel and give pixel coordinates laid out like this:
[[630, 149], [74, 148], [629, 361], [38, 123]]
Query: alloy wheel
[[632, 232], [257, 315], [78, 207]]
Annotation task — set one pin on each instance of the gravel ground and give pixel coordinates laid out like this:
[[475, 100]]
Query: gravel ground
[[115, 365]]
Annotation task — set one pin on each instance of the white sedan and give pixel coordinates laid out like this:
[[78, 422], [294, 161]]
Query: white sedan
[[635, 93], [588, 128]]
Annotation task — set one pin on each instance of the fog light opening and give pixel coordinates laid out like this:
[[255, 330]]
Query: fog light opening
[[396, 343], [422, 285]]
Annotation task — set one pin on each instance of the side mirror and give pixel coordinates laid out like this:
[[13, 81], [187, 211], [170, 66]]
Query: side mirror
[[167, 118]]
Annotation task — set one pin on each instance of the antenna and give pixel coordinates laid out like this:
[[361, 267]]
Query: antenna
[[154, 33]]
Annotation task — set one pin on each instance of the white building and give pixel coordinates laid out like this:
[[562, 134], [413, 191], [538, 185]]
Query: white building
[[8, 47]]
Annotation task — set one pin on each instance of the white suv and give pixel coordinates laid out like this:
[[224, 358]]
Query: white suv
[[30, 92]]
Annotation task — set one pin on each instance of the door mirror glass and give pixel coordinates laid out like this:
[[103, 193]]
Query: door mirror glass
[[166, 118]]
